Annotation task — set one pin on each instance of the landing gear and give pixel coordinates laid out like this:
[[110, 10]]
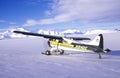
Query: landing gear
[[47, 52], [61, 51], [54, 52], [100, 57]]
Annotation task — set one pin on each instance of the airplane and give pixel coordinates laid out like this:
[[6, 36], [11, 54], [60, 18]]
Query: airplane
[[60, 44]]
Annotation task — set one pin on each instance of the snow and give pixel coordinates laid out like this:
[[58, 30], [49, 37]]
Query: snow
[[22, 58], [100, 31], [9, 34], [49, 32], [63, 32]]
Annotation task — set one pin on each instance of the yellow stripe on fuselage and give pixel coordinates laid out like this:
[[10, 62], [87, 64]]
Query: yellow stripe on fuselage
[[70, 46]]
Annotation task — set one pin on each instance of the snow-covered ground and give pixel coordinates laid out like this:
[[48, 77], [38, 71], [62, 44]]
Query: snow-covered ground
[[22, 58]]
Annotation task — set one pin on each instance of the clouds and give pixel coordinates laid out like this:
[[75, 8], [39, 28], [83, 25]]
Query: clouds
[[8, 22], [30, 22], [81, 10], [2, 21]]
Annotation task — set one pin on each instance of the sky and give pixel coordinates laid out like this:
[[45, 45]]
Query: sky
[[60, 14]]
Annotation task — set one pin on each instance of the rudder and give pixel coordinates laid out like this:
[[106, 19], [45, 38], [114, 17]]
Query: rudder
[[101, 41], [98, 41]]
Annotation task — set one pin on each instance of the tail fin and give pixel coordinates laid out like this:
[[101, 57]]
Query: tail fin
[[101, 43], [98, 41]]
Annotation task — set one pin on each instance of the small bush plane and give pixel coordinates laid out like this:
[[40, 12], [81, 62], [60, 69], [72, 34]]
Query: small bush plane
[[59, 44]]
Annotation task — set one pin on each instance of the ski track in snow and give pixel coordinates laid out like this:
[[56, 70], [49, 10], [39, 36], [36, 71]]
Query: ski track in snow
[[22, 58]]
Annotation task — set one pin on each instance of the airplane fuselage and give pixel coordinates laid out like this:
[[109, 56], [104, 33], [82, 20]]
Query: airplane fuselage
[[74, 47], [59, 44]]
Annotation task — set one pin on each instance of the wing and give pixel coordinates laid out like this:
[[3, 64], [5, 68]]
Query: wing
[[36, 34], [78, 38], [50, 36]]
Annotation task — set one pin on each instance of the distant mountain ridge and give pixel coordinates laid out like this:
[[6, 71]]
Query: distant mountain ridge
[[9, 33]]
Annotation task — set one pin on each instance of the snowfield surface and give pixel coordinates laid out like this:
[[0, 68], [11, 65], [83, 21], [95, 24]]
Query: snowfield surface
[[22, 58]]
